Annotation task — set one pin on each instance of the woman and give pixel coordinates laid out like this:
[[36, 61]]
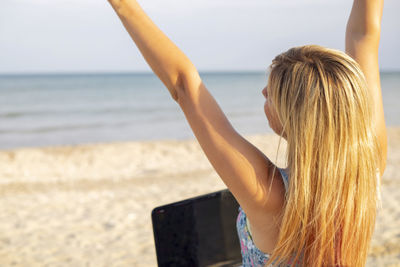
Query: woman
[[321, 210]]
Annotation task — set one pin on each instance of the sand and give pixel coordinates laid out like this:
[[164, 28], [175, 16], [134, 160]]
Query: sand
[[90, 205]]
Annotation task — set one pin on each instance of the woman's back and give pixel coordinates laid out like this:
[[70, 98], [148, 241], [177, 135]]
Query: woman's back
[[257, 242]]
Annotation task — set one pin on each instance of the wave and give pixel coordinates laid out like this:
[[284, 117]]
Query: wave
[[130, 110], [63, 128]]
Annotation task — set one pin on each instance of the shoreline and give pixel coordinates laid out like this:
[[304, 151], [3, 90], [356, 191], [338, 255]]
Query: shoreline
[[392, 131]]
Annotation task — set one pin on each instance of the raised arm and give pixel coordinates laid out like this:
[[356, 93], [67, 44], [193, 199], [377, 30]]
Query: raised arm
[[362, 44], [242, 167], [167, 61]]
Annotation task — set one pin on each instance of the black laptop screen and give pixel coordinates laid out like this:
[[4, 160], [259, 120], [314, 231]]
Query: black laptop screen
[[200, 231]]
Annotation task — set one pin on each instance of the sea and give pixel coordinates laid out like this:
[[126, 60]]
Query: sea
[[69, 109]]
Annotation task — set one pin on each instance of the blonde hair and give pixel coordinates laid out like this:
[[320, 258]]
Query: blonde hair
[[321, 98]]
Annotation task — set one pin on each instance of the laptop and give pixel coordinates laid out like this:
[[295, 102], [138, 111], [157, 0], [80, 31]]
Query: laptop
[[199, 231]]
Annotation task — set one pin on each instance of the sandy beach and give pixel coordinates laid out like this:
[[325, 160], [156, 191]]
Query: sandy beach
[[90, 205]]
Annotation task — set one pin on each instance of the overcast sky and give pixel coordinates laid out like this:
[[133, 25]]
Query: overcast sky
[[225, 35]]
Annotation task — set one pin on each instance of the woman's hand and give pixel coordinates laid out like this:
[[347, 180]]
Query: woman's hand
[[118, 5]]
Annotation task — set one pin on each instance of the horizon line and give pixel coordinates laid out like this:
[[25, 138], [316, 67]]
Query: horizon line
[[144, 72]]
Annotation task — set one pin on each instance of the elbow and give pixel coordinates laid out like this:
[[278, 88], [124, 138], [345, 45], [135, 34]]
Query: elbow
[[369, 30], [186, 83]]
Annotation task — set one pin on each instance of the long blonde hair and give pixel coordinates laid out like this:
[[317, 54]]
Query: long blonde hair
[[321, 98]]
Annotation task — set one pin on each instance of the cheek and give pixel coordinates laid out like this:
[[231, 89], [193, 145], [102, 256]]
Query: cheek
[[272, 118], [267, 111], [265, 108]]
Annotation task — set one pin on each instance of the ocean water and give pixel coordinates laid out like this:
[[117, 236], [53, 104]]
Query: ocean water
[[68, 109]]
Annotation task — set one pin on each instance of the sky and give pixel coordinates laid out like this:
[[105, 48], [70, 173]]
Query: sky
[[53, 36]]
